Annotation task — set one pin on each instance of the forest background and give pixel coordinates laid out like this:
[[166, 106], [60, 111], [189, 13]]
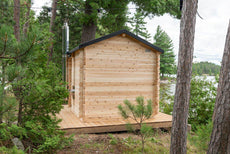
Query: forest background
[[32, 90]]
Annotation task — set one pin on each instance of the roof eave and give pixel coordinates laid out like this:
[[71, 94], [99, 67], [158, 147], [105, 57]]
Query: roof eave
[[82, 45]]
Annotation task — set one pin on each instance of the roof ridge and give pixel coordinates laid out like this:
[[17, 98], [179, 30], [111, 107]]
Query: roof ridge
[[82, 45]]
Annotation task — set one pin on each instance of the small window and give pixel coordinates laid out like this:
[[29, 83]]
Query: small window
[[147, 50]]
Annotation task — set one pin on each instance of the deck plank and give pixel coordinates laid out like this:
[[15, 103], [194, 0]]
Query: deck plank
[[72, 124]]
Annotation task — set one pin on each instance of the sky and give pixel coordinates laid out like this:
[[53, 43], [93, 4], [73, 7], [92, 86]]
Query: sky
[[210, 31]]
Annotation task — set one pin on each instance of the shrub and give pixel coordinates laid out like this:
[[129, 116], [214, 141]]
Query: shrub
[[14, 150], [202, 136], [139, 113], [201, 105]]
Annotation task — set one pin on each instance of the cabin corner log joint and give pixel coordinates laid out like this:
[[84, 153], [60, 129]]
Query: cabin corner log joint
[[103, 72]]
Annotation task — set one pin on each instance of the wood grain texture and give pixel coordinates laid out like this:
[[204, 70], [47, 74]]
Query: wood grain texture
[[114, 63], [184, 74], [108, 72], [69, 77], [73, 124], [220, 138]]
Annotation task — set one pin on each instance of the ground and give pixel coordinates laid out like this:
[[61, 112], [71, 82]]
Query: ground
[[123, 142]]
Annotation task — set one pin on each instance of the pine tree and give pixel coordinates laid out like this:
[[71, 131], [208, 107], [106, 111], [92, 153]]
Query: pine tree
[[150, 7], [108, 13], [220, 138], [139, 25], [184, 75], [37, 88], [138, 113], [167, 59]]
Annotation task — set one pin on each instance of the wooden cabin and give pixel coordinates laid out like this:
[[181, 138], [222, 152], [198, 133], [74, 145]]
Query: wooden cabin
[[102, 73]]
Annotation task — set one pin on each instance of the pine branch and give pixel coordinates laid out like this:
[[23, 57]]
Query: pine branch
[[23, 54], [4, 48]]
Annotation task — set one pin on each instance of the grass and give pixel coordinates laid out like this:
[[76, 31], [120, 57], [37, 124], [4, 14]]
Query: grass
[[125, 143]]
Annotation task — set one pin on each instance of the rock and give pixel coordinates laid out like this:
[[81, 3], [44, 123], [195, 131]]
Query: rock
[[189, 128], [18, 143]]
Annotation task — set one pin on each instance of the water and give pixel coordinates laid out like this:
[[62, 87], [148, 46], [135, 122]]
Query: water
[[172, 86]]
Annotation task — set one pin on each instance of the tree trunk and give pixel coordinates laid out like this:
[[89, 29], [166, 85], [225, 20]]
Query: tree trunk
[[17, 19], [143, 144], [20, 112], [27, 16], [54, 13], [2, 93], [89, 28], [182, 94], [220, 138]]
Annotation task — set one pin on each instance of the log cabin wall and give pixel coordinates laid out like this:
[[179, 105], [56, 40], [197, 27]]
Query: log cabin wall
[[113, 70], [69, 77], [76, 82]]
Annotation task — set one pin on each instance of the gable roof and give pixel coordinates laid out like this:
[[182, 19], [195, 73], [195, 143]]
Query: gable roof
[[115, 34]]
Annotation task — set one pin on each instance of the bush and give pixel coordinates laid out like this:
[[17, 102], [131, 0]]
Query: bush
[[14, 150], [202, 100], [201, 105], [9, 132], [166, 99], [202, 136], [45, 140], [138, 113]]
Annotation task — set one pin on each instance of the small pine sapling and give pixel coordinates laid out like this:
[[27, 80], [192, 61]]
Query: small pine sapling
[[139, 113]]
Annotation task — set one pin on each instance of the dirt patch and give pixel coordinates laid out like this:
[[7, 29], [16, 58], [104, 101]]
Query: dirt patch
[[97, 143], [114, 143]]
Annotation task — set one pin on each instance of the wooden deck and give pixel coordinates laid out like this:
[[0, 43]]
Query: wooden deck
[[72, 124]]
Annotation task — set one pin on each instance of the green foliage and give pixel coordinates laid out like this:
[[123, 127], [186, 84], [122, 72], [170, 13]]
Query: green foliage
[[37, 89], [14, 150], [113, 16], [139, 113], [113, 140], [109, 16], [9, 132], [167, 59], [205, 68], [166, 99], [158, 8], [202, 136], [134, 112], [146, 130], [107, 20], [6, 12], [166, 107], [52, 144], [7, 105], [139, 25], [7, 45], [43, 95], [202, 100]]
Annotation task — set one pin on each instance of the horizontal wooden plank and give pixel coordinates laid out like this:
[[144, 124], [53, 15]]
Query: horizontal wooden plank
[[118, 50], [115, 97], [115, 54], [120, 56], [108, 103], [93, 84], [123, 93], [113, 70], [127, 79], [109, 45], [93, 124], [112, 128], [100, 109], [120, 88], [120, 75], [120, 60], [124, 65]]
